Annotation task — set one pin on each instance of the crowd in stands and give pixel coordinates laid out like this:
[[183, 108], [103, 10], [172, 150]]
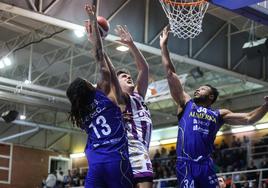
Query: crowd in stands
[[231, 158], [227, 158], [57, 179]]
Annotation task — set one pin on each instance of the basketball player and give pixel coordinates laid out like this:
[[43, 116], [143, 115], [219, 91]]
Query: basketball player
[[96, 111], [198, 126], [140, 123]]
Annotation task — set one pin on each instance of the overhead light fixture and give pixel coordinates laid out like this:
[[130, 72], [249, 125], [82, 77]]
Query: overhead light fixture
[[10, 115], [2, 65], [77, 155], [262, 126], [122, 48], [79, 33], [154, 143], [168, 141], [243, 129], [22, 117], [7, 61], [27, 82], [257, 48], [173, 128]]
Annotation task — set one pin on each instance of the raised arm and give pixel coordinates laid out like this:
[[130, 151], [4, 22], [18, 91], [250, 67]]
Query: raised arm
[[94, 37], [245, 118], [120, 96], [142, 65], [176, 90]]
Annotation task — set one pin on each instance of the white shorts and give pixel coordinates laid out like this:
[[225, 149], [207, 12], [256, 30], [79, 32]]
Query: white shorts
[[139, 160]]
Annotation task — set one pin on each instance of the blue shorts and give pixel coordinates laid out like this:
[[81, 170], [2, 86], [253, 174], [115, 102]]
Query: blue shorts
[[116, 174], [196, 174]]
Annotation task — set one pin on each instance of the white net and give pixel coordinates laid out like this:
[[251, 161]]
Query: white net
[[185, 16]]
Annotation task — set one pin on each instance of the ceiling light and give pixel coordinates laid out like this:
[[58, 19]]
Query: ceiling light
[[27, 82], [122, 48], [79, 33], [243, 129], [22, 117], [7, 61], [2, 65], [154, 143], [262, 126], [168, 141], [77, 155]]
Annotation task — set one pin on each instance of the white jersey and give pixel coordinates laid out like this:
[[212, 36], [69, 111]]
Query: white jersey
[[139, 136]]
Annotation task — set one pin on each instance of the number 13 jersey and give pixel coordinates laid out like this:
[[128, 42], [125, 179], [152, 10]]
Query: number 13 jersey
[[107, 139]]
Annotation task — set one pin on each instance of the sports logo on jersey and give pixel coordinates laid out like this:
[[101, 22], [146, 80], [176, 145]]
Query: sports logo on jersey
[[200, 129]]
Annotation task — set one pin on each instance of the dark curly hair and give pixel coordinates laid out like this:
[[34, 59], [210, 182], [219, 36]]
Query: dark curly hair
[[81, 94]]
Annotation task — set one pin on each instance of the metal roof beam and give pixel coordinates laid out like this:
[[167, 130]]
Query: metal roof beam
[[146, 48], [45, 126], [19, 134]]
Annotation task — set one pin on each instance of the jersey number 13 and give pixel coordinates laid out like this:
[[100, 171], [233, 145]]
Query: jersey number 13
[[105, 129]]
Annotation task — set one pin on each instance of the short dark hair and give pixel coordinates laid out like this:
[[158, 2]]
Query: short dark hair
[[214, 92], [122, 71]]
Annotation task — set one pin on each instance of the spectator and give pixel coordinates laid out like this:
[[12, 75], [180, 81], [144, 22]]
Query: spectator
[[157, 154], [238, 142], [51, 180], [60, 179], [264, 164], [233, 144], [245, 141], [223, 145], [76, 178], [252, 175], [222, 183], [163, 153], [172, 152]]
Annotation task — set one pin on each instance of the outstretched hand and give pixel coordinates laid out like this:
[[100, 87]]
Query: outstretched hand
[[164, 36], [91, 11], [93, 32], [125, 36]]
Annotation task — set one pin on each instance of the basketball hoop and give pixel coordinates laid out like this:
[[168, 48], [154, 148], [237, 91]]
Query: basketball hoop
[[185, 16]]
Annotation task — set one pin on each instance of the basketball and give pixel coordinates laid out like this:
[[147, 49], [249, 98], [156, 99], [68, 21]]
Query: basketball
[[104, 26]]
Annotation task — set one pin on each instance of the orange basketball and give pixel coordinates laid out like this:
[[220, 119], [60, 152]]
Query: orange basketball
[[104, 26]]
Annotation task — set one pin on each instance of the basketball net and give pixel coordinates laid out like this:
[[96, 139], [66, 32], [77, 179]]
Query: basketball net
[[185, 16]]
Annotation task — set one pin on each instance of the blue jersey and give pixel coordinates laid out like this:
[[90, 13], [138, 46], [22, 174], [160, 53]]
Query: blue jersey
[[197, 131], [107, 138]]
